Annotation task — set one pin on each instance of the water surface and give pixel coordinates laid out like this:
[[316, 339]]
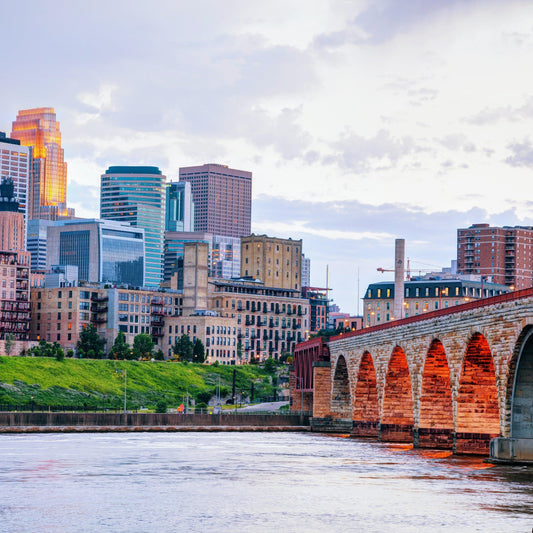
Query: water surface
[[251, 482]]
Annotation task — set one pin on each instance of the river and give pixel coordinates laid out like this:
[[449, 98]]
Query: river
[[251, 482]]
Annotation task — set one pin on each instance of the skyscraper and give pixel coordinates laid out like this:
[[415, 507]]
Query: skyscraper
[[179, 207], [137, 195], [38, 129], [222, 199], [16, 161], [14, 268]]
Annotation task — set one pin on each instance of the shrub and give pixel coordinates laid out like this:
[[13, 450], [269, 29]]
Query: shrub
[[161, 406]]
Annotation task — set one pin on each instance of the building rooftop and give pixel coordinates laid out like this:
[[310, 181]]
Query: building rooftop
[[133, 170]]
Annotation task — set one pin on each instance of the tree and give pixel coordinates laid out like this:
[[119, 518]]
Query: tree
[[143, 346], [161, 406], [159, 355], [60, 354], [90, 344], [271, 365], [9, 342], [120, 349], [183, 348], [239, 350], [198, 352]]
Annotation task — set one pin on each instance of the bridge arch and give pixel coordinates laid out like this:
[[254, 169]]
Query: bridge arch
[[435, 425], [520, 387], [478, 417], [366, 403], [397, 417], [341, 404]]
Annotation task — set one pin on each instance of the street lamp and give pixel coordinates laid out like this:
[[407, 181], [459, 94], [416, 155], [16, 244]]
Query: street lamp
[[125, 386]]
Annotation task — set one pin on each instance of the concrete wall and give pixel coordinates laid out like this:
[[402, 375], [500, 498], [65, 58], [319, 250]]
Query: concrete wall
[[144, 419]]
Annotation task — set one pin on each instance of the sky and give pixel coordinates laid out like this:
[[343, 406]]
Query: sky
[[362, 121]]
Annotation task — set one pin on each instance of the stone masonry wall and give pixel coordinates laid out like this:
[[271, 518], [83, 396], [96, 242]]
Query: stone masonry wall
[[453, 336]]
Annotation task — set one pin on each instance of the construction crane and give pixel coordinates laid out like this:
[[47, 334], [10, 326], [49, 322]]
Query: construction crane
[[407, 270]]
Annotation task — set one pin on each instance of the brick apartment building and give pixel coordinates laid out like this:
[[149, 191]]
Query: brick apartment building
[[505, 255]]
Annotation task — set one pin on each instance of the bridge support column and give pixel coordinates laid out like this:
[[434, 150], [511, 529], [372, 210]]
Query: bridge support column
[[473, 443], [365, 429], [435, 438], [396, 433], [504, 450], [322, 389]]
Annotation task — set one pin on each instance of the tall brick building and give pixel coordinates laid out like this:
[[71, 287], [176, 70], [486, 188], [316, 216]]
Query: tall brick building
[[222, 199], [503, 254], [276, 262]]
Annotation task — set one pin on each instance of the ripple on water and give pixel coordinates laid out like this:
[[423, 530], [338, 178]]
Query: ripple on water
[[251, 482]]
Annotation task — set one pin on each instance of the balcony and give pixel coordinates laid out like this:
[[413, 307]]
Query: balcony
[[98, 320], [157, 311], [158, 321], [157, 332], [99, 298]]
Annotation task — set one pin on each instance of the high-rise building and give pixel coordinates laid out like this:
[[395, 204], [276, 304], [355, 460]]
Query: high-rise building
[[37, 233], [38, 129], [306, 271], [11, 219], [16, 164], [14, 268], [224, 256], [137, 195], [503, 255], [276, 262], [179, 207], [103, 250], [222, 199]]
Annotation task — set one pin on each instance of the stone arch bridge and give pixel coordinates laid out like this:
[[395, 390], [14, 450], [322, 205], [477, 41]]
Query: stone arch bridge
[[454, 378]]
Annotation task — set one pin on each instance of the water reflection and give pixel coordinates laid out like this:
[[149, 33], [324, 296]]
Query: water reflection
[[252, 482]]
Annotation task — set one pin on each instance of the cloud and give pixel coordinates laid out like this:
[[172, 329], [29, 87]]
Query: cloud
[[522, 154], [382, 20], [359, 153], [506, 113]]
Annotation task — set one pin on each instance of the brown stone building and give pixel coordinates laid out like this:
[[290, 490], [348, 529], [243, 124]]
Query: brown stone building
[[276, 262]]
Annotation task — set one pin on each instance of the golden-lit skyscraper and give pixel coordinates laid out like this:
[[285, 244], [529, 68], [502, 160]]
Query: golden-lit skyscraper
[[39, 129]]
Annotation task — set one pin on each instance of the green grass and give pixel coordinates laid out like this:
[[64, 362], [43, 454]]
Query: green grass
[[79, 382]]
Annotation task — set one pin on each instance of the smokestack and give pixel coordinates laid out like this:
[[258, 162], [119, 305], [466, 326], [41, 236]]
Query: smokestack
[[399, 255]]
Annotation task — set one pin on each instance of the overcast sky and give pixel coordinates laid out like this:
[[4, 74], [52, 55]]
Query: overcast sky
[[362, 121]]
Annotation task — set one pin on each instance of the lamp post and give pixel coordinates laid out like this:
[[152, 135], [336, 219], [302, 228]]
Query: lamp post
[[125, 387]]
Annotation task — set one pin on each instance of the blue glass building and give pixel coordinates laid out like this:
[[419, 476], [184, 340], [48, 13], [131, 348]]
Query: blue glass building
[[103, 251], [179, 207], [136, 194]]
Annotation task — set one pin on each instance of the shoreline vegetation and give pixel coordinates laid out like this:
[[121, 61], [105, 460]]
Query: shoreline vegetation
[[42, 382]]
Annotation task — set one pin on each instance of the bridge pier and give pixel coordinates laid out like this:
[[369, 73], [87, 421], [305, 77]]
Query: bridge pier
[[396, 433], [472, 443], [505, 450], [365, 429], [435, 438]]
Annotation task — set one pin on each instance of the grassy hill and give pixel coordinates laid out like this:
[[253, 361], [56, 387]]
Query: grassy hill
[[95, 383]]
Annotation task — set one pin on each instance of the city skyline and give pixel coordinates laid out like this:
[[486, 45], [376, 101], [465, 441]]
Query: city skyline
[[361, 122]]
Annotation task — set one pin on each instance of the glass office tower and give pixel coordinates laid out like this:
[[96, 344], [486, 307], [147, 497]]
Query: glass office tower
[[39, 129], [104, 251], [137, 195], [180, 207]]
